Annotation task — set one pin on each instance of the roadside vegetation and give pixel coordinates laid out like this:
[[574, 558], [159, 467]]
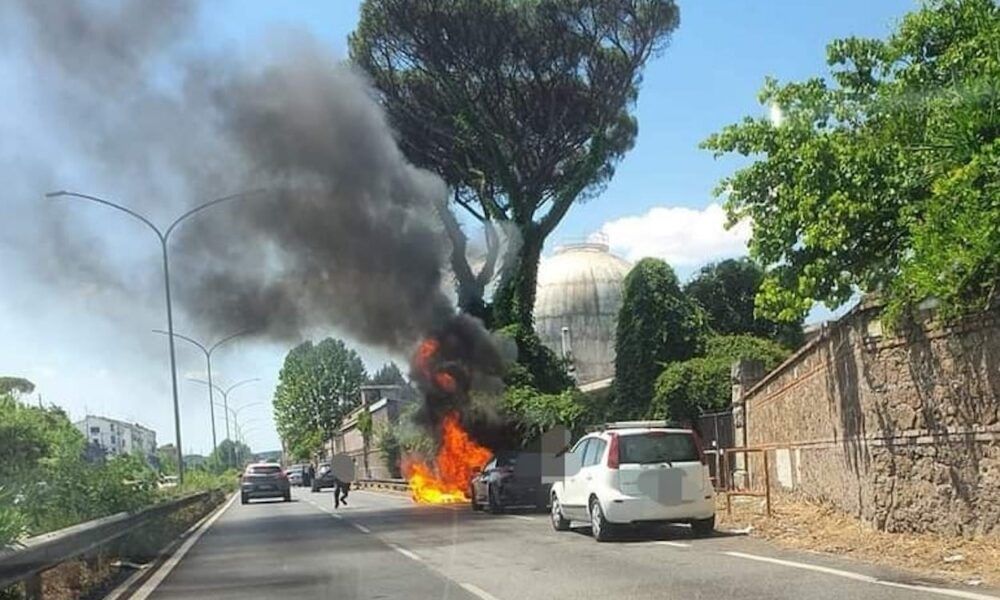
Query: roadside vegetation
[[51, 478]]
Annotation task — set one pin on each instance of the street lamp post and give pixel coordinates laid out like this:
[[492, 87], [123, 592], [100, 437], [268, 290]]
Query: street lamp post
[[207, 351], [225, 393], [236, 422], [164, 236]]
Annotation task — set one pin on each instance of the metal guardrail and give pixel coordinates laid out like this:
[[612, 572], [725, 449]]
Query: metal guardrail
[[396, 485], [29, 559]]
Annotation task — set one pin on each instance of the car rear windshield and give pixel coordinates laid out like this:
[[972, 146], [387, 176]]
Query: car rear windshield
[[657, 446], [265, 470]]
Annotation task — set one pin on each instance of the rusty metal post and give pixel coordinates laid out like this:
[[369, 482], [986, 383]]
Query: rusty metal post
[[767, 484]]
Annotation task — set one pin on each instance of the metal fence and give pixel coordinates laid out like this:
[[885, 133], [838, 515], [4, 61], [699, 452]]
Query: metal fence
[[28, 560]]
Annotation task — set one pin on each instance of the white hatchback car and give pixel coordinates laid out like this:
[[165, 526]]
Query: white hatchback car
[[634, 473]]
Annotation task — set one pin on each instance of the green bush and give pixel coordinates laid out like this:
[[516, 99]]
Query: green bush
[[657, 324], [686, 389]]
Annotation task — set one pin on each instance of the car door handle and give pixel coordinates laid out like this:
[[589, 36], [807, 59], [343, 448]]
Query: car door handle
[[588, 477]]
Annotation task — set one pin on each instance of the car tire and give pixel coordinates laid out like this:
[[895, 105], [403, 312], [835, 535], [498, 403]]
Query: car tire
[[243, 499], [559, 522], [494, 505], [703, 527], [476, 506], [599, 526]]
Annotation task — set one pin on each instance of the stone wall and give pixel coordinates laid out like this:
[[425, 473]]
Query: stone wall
[[901, 429]]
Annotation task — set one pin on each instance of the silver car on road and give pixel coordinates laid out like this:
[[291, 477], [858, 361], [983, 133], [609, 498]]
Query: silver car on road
[[264, 480]]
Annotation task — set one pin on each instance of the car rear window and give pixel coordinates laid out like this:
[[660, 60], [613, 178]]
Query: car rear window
[[657, 446], [265, 470]]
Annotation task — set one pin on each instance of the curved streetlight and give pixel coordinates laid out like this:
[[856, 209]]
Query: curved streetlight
[[207, 351], [225, 393], [164, 236]]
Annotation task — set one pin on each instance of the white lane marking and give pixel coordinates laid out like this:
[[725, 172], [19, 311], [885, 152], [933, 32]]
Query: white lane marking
[[675, 544], [865, 578], [478, 591], [522, 517], [157, 578], [361, 528], [404, 552]]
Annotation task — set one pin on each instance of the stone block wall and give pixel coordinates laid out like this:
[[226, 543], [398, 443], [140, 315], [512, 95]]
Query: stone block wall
[[900, 429]]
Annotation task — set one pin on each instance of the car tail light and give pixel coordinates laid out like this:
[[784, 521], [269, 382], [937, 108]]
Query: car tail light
[[613, 452], [699, 448]]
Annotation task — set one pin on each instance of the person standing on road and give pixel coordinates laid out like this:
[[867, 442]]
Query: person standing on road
[[343, 475]]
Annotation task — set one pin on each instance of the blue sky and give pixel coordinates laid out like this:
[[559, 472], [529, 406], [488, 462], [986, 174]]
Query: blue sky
[[658, 202]]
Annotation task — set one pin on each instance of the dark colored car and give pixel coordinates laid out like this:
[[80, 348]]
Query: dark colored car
[[264, 480], [324, 478], [509, 479]]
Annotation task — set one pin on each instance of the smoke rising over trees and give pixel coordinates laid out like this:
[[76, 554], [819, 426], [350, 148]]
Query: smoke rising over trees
[[344, 233]]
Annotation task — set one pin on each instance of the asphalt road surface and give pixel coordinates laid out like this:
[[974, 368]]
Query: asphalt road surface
[[383, 546]]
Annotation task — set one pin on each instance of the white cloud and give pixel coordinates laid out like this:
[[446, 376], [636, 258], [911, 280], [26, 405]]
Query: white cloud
[[680, 236]]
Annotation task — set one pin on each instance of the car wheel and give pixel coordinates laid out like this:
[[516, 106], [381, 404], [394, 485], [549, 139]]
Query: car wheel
[[476, 506], [599, 526], [559, 522], [243, 499], [703, 527], [494, 501]]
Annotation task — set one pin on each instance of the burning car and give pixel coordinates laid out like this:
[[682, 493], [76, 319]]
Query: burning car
[[509, 479]]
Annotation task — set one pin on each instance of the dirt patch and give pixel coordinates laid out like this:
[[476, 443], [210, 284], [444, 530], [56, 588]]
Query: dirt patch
[[816, 527]]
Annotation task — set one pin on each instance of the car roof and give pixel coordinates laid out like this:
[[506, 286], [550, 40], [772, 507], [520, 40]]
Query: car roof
[[634, 430], [263, 464]]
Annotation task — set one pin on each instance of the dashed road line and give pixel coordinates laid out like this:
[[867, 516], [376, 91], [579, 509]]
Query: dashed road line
[[864, 578], [674, 544], [523, 518], [477, 591], [361, 528], [405, 552]]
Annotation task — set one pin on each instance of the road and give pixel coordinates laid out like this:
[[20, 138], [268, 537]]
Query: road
[[383, 546]]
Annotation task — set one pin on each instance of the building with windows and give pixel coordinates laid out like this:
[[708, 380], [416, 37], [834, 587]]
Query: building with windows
[[118, 437]]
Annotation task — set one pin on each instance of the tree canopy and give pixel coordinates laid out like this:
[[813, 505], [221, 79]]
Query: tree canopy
[[686, 389], [15, 385], [657, 324], [318, 385], [726, 291], [884, 176], [388, 374], [523, 108]]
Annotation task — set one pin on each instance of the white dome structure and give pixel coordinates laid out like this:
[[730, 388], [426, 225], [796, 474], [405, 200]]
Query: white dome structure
[[576, 308]]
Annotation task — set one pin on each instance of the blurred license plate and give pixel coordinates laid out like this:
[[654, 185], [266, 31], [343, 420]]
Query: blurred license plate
[[265, 487]]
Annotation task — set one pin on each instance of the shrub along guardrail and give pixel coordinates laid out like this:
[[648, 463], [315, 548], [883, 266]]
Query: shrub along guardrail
[[28, 560]]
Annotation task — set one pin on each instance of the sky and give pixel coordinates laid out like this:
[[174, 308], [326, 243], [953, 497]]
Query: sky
[[94, 354]]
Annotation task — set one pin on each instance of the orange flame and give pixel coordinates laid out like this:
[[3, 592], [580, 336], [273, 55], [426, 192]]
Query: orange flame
[[456, 461]]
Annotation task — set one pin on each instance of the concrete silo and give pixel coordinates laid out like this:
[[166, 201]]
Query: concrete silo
[[576, 308]]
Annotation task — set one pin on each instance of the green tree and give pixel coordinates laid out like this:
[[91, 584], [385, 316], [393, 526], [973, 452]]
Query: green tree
[[318, 385], [657, 324], [523, 108], [166, 457], [229, 455], [389, 374], [15, 385], [390, 447], [726, 291], [686, 389], [884, 179], [365, 427]]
